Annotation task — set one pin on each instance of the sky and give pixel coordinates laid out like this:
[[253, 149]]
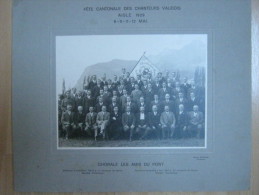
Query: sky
[[75, 53]]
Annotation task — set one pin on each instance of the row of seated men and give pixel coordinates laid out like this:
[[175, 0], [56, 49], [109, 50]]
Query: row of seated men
[[128, 125]]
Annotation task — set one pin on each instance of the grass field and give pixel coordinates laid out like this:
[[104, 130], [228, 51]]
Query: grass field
[[83, 142]]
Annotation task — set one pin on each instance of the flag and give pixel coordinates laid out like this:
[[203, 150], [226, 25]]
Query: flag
[[144, 67]]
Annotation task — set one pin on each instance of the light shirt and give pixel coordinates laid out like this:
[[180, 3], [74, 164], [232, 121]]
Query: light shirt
[[142, 116]]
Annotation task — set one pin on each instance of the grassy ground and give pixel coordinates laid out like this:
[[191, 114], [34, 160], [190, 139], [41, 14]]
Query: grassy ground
[[80, 142]]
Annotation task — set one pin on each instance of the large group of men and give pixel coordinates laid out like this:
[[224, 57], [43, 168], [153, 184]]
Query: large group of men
[[125, 107]]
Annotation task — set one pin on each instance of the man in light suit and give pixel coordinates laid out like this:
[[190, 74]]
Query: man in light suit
[[90, 123], [196, 122], [102, 120], [167, 120]]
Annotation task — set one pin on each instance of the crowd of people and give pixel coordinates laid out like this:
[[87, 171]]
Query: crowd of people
[[133, 108]]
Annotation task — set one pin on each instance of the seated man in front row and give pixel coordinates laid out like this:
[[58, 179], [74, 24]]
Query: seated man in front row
[[102, 120], [79, 121], [196, 122], [90, 123], [154, 122], [67, 121], [142, 124], [128, 123], [115, 124], [167, 120]]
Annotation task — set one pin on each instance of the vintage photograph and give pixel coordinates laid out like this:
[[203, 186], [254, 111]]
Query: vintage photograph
[[131, 91]]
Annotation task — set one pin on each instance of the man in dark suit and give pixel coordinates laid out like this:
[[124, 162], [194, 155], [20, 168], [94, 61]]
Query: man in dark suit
[[136, 94], [67, 121], [180, 100], [106, 95], [149, 95], [196, 122], [131, 86], [139, 81], [131, 104], [90, 123], [123, 98], [114, 95], [154, 122], [167, 120], [115, 128], [79, 121], [156, 86], [144, 87], [163, 91], [128, 123], [67, 101], [176, 90], [115, 82], [193, 100], [96, 89], [141, 103], [181, 122], [99, 105], [110, 86], [185, 86], [169, 102], [142, 124], [113, 105], [102, 121], [119, 90], [158, 103], [92, 83], [79, 100], [89, 101]]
